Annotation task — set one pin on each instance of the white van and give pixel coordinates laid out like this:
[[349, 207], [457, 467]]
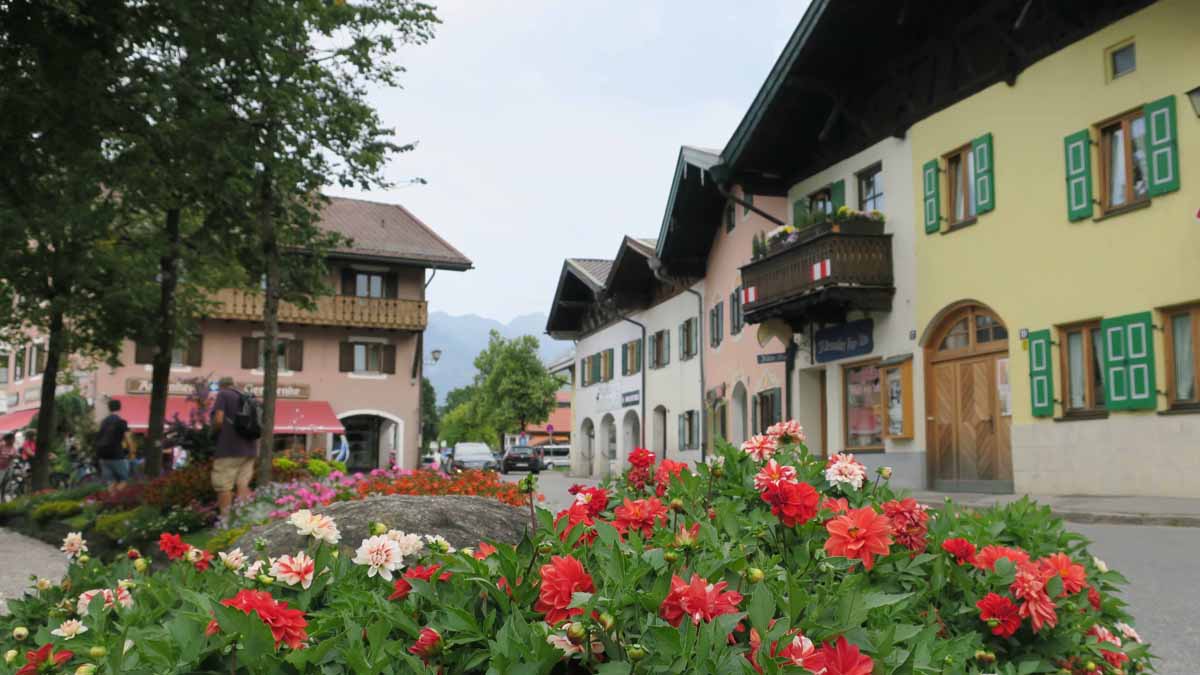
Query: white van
[[556, 455]]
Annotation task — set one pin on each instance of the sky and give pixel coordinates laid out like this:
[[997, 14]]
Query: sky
[[549, 129]]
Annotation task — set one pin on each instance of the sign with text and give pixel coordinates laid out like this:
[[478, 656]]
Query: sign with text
[[772, 358], [282, 390], [853, 338], [143, 385], [630, 398]]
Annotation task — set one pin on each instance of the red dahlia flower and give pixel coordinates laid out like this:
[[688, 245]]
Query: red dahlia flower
[[761, 448], [962, 550], [577, 514], [1074, 576], [204, 561], [1029, 586], [595, 498], [483, 551], [798, 650], [45, 655], [173, 546], [1103, 635], [697, 599], [666, 471], [562, 577], [843, 658], [909, 521], [287, 625], [1000, 614], [787, 432], [402, 587], [639, 516], [428, 644], [987, 557], [773, 473], [1093, 597], [133, 554], [641, 458], [793, 503], [835, 505], [860, 534]]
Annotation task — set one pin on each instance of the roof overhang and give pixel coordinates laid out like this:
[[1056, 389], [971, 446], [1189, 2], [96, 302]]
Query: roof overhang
[[693, 213], [401, 260], [631, 281], [576, 293]]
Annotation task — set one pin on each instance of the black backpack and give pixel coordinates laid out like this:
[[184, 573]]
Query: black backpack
[[248, 420]]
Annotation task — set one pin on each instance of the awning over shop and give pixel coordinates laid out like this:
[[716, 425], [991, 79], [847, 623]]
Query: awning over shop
[[16, 420], [291, 417]]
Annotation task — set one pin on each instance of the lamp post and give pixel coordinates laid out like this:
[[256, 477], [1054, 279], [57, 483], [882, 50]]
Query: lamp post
[[1194, 97]]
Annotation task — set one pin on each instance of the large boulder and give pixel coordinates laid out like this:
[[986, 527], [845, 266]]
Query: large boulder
[[463, 521]]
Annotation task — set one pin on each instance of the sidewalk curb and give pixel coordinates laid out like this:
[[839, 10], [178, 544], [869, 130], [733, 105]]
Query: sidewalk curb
[[1156, 519]]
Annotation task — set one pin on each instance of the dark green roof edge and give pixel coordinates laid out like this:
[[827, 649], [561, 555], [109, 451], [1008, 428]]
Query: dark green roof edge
[[779, 72], [680, 170]]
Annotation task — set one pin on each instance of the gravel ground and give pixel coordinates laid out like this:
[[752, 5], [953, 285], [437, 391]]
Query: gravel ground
[[21, 556]]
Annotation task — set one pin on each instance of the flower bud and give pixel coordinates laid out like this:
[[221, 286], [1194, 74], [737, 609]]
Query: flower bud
[[66, 585], [44, 584], [718, 471], [86, 669], [825, 567], [334, 554], [1090, 667], [712, 513], [885, 472], [606, 621], [20, 633], [265, 579], [635, 652], [84, 559], [670, 556], [755, 575], [133, 554], [378, 529], [140, 565], [98, 652], [576, 632], [10, 656], [545, 548], [677, 505], [992, 623]]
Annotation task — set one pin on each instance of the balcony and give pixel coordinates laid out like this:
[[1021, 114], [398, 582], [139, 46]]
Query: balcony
[[331, 310], [830, 271]]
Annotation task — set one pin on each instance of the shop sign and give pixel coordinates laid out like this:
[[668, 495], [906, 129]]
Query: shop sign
[[143, 385], [631, 398], [772, 358], [288, 390], [853, 338]]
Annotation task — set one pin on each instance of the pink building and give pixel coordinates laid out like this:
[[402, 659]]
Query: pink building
[[351, 367]]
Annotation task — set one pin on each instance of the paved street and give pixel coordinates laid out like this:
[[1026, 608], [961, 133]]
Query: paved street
[[21, 556]]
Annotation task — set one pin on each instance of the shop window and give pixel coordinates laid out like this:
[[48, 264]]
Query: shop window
[[870, 189], [1183, 368], [1082, 356], [898, 413], [864, 414]]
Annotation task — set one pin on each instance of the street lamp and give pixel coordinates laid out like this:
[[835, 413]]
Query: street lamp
[[1194, 96], [436, 354]]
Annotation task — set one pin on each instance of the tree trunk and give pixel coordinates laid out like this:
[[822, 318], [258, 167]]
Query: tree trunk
[[270, 250], [45, 425], [165, 343]]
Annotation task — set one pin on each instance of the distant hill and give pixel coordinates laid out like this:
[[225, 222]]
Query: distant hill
[[461, 338]]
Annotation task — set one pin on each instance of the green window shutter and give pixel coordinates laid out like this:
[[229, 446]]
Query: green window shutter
[[666, 340], [682, 432], [1078, 150], [985, 176], [683, 341], [638, 355], [749, 201], [754, 414], [778, 406], [625, 359], [596, 367], [931, 195], [653, 363], [1129, 377], [1162, 145], [609, 360], [798, 211], [837, 195], [1041, 376]]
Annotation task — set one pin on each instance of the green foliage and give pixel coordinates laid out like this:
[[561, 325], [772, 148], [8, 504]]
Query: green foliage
[[318, 468], [429, 412], [514, 387], [465, 423], [223, 540], [56, 510], [115, 526]]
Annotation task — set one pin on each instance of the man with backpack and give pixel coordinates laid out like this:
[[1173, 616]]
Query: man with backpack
[[114, 444], [237, 420]]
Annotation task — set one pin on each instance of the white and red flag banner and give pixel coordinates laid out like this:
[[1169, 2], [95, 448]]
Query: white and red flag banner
[[749, 295], [820, 270]]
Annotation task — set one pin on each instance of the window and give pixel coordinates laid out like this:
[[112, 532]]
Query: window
[[688, 342], [975, 328], [689, 430], [768, 409], [870, 189], [716, 324], [1123, 161], [898, 413], [35, 365], [183, 356], [660, 349], [748, 200], [1183, 369], [736, 318], [1122, 60], [1082, 356], [606, 365], [864, 419], [631, 357], [368, 283], [367, 358], [960, 176], [4, 367], [720, 420], [19, 364], [730, 221], [820, 202]]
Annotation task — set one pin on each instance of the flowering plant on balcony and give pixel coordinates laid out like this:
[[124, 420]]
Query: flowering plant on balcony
[[766, 560], [784, 236]]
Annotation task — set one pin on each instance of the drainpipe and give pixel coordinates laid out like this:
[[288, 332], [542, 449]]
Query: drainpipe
[[789, 369], [656, 266]]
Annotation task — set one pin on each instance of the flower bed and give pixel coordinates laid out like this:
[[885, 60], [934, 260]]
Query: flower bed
[[766, 561]]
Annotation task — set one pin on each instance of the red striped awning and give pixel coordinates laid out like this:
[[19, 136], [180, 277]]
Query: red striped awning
[[291, 416], [16, 420]]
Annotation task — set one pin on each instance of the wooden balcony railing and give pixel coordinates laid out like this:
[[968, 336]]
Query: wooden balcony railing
[[335, 310], [795, 284]]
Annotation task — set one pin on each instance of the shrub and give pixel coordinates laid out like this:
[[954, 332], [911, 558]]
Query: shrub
[[126, 497], [223, 540], [318, 468], [191, 484], [17, 507], [56, 510], [80, 522], [115, 526]]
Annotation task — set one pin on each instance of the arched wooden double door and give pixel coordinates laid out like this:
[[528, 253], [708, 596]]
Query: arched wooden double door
[[969, 405]]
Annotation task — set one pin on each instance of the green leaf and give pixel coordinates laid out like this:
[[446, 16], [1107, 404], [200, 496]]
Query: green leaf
[[877, 599], [762, 607], [614, 668]]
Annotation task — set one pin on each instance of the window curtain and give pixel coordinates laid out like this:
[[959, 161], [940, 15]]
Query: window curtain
[[1185, 377], [1077, 371]]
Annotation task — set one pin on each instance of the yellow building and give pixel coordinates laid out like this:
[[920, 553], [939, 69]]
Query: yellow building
[[1058, 267]]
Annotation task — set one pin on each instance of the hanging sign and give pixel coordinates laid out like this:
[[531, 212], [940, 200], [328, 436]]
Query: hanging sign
[[853, 338], [631, 398], [772, 358]]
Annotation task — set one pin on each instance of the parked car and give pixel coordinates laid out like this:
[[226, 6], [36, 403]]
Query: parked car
[[472, 456], [554, 456], [431, 462], [522, 457]]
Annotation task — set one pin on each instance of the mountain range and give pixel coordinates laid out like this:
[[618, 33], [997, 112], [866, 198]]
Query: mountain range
[[461, 338]]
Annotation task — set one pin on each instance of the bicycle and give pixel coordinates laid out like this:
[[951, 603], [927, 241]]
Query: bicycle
[[16, 480]]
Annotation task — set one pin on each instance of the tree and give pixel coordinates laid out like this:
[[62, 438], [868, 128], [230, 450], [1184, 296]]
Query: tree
[[458, 396], [513, 384], [429, 412], [464, 424]]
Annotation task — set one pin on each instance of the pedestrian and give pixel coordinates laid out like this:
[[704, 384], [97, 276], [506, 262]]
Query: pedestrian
[[114, 446], [8, 450], [233, 463]]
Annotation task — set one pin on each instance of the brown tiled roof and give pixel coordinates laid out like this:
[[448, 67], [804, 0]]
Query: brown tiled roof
[[389, 231], [594, 268]]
